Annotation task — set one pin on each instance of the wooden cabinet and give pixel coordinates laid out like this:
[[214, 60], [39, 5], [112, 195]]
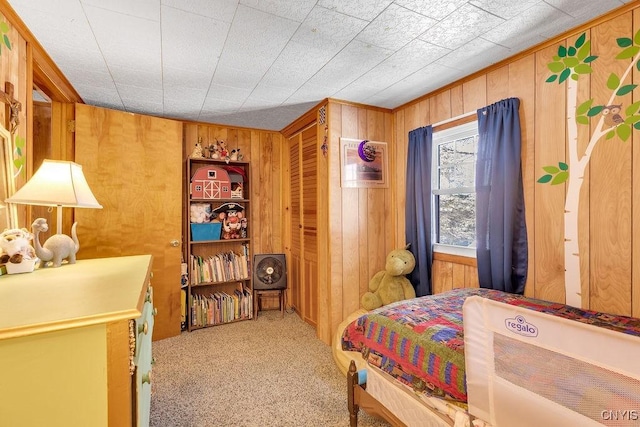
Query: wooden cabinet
[[73, 344], [217, 234]]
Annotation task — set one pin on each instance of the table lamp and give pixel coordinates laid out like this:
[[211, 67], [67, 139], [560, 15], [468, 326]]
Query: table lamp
[[61, 184]]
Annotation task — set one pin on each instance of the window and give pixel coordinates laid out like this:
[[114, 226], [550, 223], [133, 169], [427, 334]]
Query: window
[[454, 191]]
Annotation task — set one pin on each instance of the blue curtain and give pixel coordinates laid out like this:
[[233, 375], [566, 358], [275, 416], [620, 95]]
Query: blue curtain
[[501, 231], [418, 208]]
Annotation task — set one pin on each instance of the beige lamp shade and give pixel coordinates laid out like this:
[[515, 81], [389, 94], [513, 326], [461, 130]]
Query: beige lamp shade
[[56, 183]]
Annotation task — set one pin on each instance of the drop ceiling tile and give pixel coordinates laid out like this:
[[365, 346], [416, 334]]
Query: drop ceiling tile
[[352, 62], [474, 55], [406, 61], [137, 41], [255, 104], [52, 7], [462, 26], [191, 41], [70, 58], [183, 107], [504, 8], [99, 96], [213, 105], [240, 78], [395, 27], [328, 29], [129, 92], [539, 18], [100, 79], [65, 23], [363, 9], [255, 39], [186, 78], [583, 8], [297, 58], [436, 9], [221, 10], [294, 10], [232, 94], [184, 95], [287, 77], [309, 93], [421, 82], [141, 106], [355, 92], [125, 75], [147, 9], [271, 95]]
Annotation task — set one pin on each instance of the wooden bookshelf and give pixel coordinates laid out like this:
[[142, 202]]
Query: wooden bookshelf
[[218, 289]]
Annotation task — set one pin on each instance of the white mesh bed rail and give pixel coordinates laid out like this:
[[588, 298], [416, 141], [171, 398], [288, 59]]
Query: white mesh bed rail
[[526, 368]]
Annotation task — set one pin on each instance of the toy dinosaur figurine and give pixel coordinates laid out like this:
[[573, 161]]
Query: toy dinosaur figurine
[[57, 247]]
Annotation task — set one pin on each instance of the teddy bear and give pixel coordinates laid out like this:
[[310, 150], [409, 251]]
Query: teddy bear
[[391, 284]]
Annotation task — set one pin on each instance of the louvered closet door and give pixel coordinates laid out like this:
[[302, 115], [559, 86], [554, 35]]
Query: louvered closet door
[[295, 191], [310, 224]]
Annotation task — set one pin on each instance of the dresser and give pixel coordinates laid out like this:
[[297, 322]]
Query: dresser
[[75, 344]]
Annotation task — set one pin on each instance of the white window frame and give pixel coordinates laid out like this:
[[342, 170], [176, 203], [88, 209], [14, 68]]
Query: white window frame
[[440, 137]]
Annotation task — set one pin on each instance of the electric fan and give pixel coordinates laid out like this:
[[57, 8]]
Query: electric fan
[[269, 271]]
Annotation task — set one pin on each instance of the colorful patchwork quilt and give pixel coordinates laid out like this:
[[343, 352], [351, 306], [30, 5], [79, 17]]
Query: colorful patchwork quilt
[[420, 342]]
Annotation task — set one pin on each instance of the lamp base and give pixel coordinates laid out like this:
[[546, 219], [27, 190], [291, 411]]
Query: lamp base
[[57, 247]]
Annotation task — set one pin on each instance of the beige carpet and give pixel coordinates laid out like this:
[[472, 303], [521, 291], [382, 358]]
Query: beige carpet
[[267, 372]]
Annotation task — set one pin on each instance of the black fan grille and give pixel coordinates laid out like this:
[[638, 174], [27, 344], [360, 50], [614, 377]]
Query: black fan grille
[[270, 271]]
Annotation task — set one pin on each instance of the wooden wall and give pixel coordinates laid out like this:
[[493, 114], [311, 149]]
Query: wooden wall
[[609, 200], [13, 69], [360, 219]]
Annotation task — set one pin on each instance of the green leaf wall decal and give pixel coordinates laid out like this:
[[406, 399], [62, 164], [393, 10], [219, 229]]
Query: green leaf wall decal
[[613, 81], [625, 89], [624, 41], [629, 52], [560, 178]]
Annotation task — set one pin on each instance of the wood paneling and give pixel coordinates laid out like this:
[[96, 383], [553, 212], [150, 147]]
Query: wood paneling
[[610, 164], [362, 225]]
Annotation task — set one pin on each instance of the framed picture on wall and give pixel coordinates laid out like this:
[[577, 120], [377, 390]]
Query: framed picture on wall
[[364, 163]]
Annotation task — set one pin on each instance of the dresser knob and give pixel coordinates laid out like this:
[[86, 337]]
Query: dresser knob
[[146, 378], [155, 311], [144, 328]]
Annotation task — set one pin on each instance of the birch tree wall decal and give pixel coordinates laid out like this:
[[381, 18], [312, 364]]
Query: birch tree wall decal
[[567, 66]]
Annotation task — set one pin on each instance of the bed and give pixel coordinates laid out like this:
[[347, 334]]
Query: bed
[[484, 358]]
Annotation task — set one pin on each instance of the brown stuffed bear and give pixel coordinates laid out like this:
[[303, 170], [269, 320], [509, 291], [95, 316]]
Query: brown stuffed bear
[[391, 284]]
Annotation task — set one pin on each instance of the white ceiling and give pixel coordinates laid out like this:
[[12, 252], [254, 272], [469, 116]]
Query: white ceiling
[[263, 63]]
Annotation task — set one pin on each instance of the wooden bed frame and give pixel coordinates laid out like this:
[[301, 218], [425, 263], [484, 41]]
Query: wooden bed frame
[[360, 399]]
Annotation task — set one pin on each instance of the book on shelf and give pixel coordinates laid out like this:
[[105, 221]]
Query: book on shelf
[[222, 267], [221, 307]]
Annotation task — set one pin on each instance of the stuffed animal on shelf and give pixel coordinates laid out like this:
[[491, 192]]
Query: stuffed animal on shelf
[[213, 150], [223, 152], [391, 284], [16, 246], [197, 151], [231, 216]]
